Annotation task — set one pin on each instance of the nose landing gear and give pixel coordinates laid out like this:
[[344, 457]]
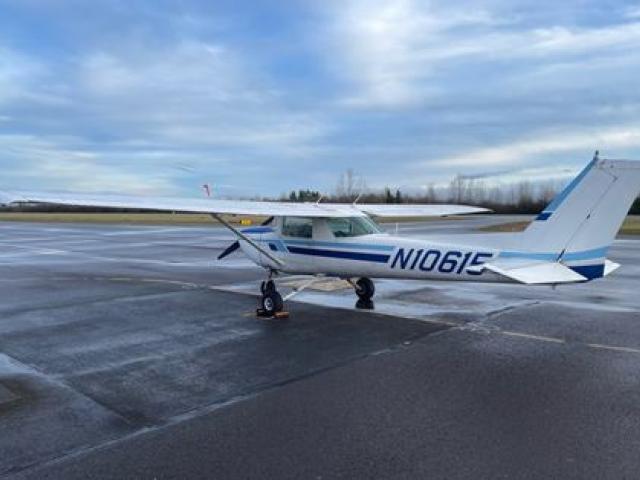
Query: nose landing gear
[[365, 289], [271, 303]]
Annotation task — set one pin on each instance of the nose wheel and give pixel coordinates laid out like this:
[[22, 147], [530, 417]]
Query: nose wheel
[[365, 288], [271, 303]]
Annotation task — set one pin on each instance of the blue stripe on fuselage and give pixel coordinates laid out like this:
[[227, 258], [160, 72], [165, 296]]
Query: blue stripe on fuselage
[[530, 255], [345, 245], [586, 254], [569, 257], [257, 230], [317, 252]]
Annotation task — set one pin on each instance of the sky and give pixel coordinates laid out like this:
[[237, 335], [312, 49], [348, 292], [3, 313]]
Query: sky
[[261, 97]]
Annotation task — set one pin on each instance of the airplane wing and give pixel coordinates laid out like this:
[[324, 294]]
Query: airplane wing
[[533, 272], [234, 207], [187, 205]]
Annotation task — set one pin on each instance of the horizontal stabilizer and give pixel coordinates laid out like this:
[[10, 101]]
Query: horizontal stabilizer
[[534, 272], [610, 267]]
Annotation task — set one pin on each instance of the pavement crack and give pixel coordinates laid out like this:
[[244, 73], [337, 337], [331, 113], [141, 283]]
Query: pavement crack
[[509, 308], [482, 325]]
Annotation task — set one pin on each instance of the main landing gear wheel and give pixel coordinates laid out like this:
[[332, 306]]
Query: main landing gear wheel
[[271, 302], [365, 289]]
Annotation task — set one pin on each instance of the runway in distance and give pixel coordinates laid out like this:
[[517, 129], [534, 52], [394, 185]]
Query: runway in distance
[[566, 243]]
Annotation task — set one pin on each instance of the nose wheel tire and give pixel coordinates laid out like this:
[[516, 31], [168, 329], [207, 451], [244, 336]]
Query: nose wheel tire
[[272, 302], [365, 289]]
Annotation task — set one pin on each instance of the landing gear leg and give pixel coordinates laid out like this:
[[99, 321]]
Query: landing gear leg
[[267, 286]]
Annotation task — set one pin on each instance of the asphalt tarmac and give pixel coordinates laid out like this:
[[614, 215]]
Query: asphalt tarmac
[[130, 352]]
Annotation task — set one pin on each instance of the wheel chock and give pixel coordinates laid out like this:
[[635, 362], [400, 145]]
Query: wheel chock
[[260, 313]]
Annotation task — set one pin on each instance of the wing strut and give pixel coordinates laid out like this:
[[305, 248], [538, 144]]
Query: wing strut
[[247, 239]]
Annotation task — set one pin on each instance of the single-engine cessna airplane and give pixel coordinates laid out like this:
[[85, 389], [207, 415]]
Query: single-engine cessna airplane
[[566, 243]]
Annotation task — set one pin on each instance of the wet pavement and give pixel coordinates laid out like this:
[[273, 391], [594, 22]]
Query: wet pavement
[[130, 352]]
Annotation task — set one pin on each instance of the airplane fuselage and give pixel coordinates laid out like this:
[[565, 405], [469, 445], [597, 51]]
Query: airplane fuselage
[[381, 255], [374, 256]]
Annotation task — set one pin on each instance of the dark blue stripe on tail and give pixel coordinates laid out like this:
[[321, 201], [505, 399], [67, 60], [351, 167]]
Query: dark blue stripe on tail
[[590, 272]]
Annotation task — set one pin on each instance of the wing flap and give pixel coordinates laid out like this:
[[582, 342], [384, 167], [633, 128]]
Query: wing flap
[[414, 210], [534, 272]]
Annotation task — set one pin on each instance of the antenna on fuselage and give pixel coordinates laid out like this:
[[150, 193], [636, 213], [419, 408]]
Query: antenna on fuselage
[[357, 198], [319, 198]]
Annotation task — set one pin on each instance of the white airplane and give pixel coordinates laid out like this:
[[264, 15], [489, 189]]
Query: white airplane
[[566, 243]]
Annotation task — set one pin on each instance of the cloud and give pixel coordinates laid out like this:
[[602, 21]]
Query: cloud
[[519, 151], [196, 93], [39, 163], [16, 70], [146, 109], [632, 12], [27, 81], [397, 53], [188, 69], [386, 48]]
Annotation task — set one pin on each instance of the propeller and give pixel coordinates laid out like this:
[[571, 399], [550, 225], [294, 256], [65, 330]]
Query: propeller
[[229, 250], [236, 245]]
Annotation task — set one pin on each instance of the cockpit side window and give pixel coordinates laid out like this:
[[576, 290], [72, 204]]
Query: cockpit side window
[[352, 226], [300, 227]]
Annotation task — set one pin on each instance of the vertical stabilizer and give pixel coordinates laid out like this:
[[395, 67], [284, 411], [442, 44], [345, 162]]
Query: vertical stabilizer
[[582, 221]]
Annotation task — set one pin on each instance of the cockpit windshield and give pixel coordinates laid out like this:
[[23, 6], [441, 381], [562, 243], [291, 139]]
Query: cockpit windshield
[[352, 226]]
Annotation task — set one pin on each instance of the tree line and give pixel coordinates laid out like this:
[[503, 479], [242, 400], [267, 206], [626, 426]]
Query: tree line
[[523, 197]]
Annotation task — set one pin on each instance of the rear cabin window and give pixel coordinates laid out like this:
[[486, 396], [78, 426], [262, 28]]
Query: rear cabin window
[[352, 226], [300, 227]]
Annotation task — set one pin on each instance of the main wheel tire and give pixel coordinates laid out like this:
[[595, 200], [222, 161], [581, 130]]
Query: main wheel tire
[[365, 289], [267, 286], [272, 302]]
